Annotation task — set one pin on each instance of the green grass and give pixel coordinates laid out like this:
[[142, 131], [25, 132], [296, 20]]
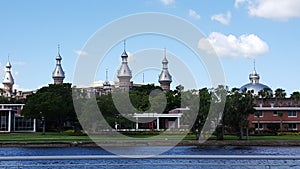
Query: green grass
[[39, 137], [68, 137]]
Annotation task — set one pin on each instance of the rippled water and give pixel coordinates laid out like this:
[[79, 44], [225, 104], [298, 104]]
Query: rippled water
[[153, 163]]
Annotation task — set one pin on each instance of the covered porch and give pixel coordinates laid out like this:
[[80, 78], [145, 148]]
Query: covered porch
[[157, 121]]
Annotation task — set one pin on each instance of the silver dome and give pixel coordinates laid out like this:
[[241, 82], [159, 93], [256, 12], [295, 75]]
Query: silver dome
[[254, 87], [8, 79], [58, 72], [165, 75], [124, 70], [254, 84]]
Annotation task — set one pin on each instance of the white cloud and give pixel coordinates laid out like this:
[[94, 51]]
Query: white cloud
[[167, 2], [238, 2], [222, 18], [194, 14], [20, 63], [81, 52], [271, 9], [16, 73], [231, 46]]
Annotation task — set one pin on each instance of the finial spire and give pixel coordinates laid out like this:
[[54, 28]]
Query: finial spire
[[143, 78], [254, 63], [58, 49], [165, 52], [106, 74], [124, 45], [8, 57]]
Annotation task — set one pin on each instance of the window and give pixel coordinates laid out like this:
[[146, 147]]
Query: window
[[293, 126], [275, 113], [259, 127], [259, 114], [292, 113]]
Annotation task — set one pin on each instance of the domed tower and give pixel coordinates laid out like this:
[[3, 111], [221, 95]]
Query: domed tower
[[165, 79], [8, 81], [58, 74], [124, 73], [254, 84]]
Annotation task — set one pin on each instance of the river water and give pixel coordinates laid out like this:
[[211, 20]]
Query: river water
[[153, 163]]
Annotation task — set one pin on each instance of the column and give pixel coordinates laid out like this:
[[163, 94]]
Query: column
[[136, 123], [178, 122], [9, 120], [157, 123], [34, 125]]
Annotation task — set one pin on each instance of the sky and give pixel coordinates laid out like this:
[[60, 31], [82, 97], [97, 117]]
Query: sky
[[239, 31]]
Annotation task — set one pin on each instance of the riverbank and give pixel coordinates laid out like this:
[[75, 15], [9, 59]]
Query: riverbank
[[152, 143]]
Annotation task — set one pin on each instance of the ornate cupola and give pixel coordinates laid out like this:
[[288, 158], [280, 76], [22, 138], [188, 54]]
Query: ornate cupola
[[58, 74], [254, 84], [106, 84], [254, 77], [8, 80], [165, 79], [124, 73]]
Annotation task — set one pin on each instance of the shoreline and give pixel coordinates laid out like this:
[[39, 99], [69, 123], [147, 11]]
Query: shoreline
[[149, 143]]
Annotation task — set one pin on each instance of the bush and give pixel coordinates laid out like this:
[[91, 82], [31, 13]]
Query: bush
[[288, 134]]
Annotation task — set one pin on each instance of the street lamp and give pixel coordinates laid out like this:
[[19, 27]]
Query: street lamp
[[43, 123]]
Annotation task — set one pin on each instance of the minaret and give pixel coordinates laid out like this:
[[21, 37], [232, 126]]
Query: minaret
[[58, 74], [8, 80], [106, 84], [165, 79], [254, 76], [124, 73]]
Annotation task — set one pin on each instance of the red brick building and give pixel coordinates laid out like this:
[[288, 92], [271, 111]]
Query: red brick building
[[285, 113]]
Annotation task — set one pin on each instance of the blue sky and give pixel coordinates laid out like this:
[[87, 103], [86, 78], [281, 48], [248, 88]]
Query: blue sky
[[239, 30]]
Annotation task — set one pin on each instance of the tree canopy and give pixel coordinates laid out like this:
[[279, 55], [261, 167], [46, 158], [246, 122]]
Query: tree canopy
[[54, 103]]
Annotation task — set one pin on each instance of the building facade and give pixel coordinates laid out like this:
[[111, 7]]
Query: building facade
[[274, 113], [11, 119]]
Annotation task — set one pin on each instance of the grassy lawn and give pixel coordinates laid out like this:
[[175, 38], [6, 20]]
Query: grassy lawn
[[38, 137], [68, 137]]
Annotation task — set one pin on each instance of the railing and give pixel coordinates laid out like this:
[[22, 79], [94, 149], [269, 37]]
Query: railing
[[160, 161]]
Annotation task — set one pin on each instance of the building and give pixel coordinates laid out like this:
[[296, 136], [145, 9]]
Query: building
[[159, 121], [58, 74], [8, 81], [124, 73], [281, 113], [255, 86], [271, 113], [11, 119], [165, 79], [8, 84]]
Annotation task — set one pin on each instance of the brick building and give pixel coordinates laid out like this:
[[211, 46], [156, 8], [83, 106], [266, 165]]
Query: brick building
[[283, 113]]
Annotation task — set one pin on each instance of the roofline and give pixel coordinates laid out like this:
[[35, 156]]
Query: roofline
[[277, 108], [149, 115]]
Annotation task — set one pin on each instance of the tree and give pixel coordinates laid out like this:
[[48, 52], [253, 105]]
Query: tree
[[204, 104], [54, 103], [280, 115], [265, 93], [237, 109], [280, 93], [296, 97]]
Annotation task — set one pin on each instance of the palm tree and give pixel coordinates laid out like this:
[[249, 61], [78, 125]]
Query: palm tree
[[266, 93], [280, 93], [296, 97]]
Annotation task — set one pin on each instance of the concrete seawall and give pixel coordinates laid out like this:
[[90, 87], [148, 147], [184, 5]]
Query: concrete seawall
[[152, 143]]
